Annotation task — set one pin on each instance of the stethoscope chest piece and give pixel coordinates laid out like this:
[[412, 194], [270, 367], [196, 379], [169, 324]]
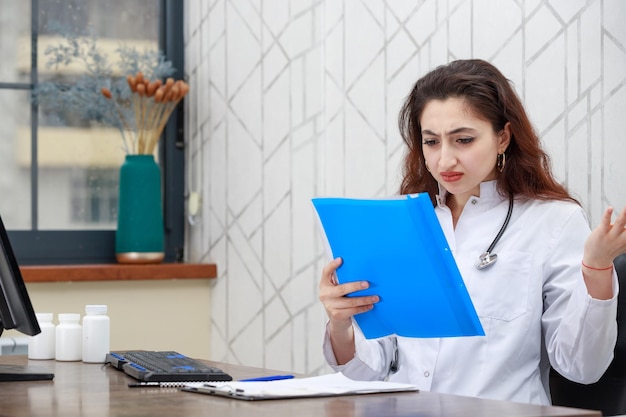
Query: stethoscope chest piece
[[486, 260]]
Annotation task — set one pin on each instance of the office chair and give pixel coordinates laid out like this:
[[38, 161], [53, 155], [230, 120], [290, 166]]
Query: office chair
[[609, 393]]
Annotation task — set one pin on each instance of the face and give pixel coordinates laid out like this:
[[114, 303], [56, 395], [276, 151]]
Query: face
[[460, 149]]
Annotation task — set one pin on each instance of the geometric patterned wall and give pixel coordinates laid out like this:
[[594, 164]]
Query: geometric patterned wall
[[296, 99]]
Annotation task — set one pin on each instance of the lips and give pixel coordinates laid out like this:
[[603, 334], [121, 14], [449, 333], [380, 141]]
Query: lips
[[451, 176]]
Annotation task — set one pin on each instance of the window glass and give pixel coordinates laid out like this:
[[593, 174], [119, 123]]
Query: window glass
[[15, 41], [59, 163], [79, 152], [15, 159]]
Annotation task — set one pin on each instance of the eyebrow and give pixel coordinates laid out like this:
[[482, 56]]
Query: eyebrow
[[452, 132]]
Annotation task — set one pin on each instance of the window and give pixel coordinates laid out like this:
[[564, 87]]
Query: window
[[59, 172], [94, 198]]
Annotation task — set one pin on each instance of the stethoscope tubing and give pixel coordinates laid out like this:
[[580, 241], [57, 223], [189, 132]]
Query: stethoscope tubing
[[488, 258], [503, 228]]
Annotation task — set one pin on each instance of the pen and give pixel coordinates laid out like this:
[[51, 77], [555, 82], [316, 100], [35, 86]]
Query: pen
[[172, 384], [267, 378]]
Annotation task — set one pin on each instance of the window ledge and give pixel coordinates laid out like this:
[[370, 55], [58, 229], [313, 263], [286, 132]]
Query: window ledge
[[117, 272]]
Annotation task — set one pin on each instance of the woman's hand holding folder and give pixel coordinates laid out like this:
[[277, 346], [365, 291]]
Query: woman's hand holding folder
[[340, 309]]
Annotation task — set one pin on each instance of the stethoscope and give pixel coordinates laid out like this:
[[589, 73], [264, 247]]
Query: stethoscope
[[487, 258]]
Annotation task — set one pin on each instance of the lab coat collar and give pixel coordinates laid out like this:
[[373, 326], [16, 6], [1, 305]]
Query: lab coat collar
[[488, 193]]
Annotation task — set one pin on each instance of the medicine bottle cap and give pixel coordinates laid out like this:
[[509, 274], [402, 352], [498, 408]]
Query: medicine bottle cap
[[44, 316], [96, 309], [69, 317]]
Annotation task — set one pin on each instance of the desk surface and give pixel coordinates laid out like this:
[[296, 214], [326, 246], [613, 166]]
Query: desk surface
[[94, 390]]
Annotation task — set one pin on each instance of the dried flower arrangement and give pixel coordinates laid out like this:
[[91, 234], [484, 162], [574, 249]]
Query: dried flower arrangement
[[153, 102], [117, 94]]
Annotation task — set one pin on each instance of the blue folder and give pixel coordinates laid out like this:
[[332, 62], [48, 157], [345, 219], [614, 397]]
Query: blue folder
[[397, 244]]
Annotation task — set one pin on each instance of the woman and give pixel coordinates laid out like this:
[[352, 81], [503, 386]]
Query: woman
[[549, 300]]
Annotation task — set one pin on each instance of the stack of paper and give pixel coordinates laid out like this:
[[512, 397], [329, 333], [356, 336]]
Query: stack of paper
[[318, 386]]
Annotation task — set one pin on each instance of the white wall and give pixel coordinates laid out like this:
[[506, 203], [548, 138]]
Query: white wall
[[172, 314], [294, 99]]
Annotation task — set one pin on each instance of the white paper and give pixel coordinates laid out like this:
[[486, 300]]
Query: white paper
[[318, 386]]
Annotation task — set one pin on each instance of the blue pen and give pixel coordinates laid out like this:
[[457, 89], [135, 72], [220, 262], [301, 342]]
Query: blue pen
[[267, 378]]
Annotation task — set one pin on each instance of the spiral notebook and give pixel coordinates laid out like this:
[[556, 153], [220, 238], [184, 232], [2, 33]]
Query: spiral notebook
[[397, 244]]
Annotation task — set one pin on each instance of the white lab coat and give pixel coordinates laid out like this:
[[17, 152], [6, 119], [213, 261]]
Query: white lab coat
[[532, 303]]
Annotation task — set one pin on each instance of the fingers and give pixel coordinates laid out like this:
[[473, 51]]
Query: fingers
[[350, 287], [615, 230], [339, 315], [620, 221], [344, 308], [614, 234], [333, 295], [329, 279], [605, 222], [336, 294], [328, 273], [607, 240], [330, 288]]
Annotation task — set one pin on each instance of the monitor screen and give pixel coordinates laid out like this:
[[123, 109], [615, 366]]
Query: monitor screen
[[16, 310]]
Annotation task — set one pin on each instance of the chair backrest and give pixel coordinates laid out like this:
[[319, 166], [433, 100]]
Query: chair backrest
[[609, 393]]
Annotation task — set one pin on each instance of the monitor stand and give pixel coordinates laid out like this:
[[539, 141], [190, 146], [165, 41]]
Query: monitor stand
[[24, 373], [10, 372]]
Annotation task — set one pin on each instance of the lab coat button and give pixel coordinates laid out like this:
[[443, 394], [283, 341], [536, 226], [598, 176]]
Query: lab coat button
[[474, 201], [426, 374]]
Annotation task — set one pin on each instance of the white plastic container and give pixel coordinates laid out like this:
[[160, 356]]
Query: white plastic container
[[96, 334], [43, 345], [69, 337]]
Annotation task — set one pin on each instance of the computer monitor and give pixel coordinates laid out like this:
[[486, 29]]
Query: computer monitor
[[16, 311]]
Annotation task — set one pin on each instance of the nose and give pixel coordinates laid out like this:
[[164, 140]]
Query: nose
[[447, 157]]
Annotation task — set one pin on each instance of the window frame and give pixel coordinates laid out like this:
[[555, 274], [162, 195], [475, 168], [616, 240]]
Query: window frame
[[56, 247]]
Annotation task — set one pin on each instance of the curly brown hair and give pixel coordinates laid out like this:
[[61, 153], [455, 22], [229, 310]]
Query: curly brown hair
[[489, 96]]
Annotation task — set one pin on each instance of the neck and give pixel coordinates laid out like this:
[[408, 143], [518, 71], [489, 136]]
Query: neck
[[456, 202], [456, 208]]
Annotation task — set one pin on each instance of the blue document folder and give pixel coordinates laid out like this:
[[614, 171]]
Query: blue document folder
[[398, 246]]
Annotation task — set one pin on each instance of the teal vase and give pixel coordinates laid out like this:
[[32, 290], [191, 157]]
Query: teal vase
[[139, 236]]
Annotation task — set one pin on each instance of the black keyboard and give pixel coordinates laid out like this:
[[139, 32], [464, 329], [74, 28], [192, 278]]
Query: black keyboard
[[168, 366]]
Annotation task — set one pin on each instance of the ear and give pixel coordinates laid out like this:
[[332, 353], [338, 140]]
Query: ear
[[504, 138]]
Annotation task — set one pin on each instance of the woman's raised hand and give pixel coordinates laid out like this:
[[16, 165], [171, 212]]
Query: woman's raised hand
[[604, 244], [606, 241]]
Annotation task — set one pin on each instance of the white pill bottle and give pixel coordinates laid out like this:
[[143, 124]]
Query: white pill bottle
[[43, 345], [96, 334], [68, 338]]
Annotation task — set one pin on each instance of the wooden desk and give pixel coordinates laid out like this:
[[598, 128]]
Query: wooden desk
[[93, 390]]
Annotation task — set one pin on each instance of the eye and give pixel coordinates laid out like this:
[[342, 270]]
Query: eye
[[430, 142], [465, 141]]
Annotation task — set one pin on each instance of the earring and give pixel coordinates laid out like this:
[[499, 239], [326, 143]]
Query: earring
[[501, 161]]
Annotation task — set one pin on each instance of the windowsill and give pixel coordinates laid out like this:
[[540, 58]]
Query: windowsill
[[117, 272]]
